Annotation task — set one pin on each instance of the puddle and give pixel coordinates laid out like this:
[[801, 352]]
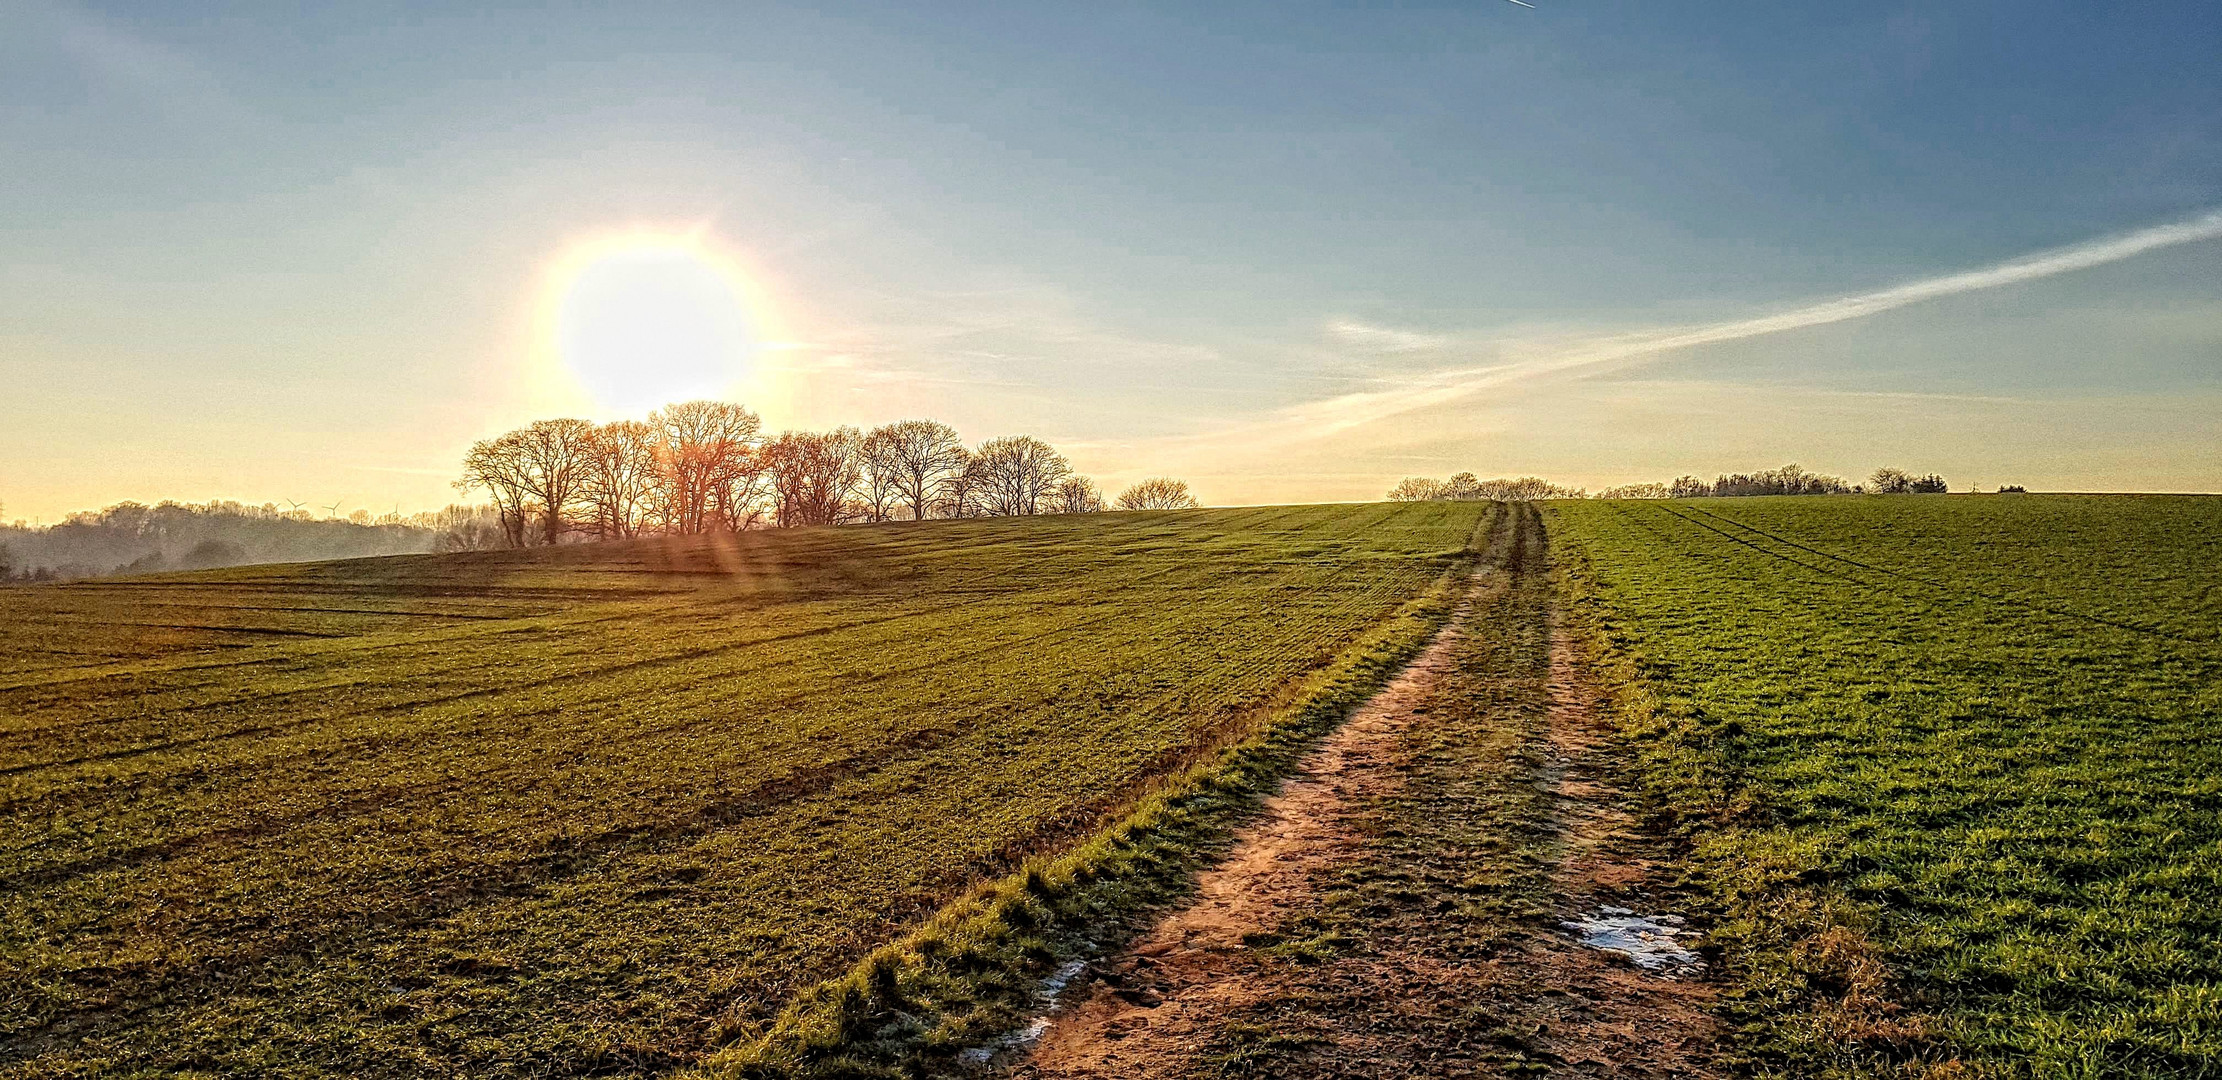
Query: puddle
[[1649, 940], [1045, 997]]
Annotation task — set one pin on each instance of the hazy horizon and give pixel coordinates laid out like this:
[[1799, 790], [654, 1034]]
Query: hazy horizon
[[1289, 254]]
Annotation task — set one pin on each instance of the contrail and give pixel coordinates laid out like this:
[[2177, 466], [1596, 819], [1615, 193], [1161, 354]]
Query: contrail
[[1365, 407], [1523, 3]]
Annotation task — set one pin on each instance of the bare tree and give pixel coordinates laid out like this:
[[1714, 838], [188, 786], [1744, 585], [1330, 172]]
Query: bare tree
[[555, 454], [1465, 488], [1157, 493], [622, 477], [814, 474], [1077, 495], [1414, 489], [700, 466], [1788, 480], [920, 457], [1523, 489], [737, 490], [1017, 473], [709, 475], [1889, 481], [958, 494], [470, 534], [498, 465], [1636, 491], [881, 487]]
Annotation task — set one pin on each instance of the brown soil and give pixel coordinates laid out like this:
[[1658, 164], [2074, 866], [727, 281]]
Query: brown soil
[[1612, 1019], [1156, 1009], [1395, 911]]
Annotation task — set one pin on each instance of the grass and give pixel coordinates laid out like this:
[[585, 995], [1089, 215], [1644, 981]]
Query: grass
[[1950, 767], [603, 810]]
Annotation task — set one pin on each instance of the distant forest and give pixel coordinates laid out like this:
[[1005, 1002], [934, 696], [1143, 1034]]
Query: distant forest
[[1787, 480], [131, 538]]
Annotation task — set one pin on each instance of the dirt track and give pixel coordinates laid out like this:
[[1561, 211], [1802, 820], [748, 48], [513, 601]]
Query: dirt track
[[1395, 912]]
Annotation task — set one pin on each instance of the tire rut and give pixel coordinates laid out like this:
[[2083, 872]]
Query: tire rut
[[1396, 911]]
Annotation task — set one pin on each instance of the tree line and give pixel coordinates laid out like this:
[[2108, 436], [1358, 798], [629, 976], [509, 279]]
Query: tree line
[[133, 538], [1792, 480], [708, 466], [1465, 487], [1787, 480]]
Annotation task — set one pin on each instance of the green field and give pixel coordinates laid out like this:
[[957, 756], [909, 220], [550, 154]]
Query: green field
[[1951, 766], [590, 810], [1946, 772]]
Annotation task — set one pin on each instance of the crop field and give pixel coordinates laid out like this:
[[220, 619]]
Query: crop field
[[1948, 770], [590, 810], [1951, 766]]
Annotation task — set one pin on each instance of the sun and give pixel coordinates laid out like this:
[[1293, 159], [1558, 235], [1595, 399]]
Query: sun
[[644, 320]]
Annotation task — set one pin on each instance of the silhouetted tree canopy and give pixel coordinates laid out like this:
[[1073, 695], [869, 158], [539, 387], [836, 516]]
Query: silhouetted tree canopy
[[1465, 487], [1637, 491], [704, 466], [1157, 493], [622, 478], [1016, 474], [1889, 481], [814, 474], [1077, 495], [1416, 489], [1788, 480]]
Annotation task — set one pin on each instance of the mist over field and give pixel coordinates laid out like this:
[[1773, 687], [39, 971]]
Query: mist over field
[[131, 538]]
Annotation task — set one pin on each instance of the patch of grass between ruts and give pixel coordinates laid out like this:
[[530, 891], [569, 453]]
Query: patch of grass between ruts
[[1801, 982], [972, 973]]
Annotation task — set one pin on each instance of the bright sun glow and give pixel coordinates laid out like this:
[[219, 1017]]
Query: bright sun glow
[[645, 321]]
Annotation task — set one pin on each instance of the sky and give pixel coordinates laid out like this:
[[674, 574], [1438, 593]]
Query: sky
[[1289, 251]]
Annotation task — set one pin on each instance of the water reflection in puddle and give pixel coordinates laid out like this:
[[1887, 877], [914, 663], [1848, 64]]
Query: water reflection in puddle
[[1045, 997], [1648, 940]]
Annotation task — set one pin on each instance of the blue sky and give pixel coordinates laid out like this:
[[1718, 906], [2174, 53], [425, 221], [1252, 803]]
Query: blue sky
[[252, 251]]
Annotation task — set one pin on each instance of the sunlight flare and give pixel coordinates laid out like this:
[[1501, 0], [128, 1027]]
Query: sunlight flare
[[637, 320]]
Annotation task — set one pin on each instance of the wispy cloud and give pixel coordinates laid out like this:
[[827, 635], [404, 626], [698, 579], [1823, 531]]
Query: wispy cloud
[[1530, 361], [1382, 338], [993, 360]]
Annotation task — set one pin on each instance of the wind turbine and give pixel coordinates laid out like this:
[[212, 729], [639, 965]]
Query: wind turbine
[[297, 504], [333, 510]]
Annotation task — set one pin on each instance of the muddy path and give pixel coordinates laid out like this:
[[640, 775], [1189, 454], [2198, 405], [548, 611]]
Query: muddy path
[[1400, 908]]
